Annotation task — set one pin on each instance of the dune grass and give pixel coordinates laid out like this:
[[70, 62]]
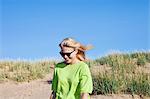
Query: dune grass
[[126, 73], [20, 71]]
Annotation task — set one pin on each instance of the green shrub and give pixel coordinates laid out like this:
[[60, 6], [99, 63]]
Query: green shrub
[[148, 57], [101, 61], [141, 61]]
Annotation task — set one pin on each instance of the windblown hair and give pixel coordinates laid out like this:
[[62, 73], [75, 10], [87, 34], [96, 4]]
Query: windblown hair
[[70, 42]]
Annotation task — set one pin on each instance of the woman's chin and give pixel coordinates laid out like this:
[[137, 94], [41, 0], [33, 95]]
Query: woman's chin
[[67, 61]]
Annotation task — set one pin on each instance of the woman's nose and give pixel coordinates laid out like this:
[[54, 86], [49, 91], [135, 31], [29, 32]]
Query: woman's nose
[[65, 57]]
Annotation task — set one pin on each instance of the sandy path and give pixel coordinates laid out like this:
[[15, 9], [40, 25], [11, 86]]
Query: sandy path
[[40, 89]]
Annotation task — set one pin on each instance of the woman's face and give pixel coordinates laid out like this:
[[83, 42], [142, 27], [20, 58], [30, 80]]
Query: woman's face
[[68, 53]]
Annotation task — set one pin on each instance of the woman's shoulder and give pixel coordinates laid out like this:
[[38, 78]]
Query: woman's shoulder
[[83, 64]]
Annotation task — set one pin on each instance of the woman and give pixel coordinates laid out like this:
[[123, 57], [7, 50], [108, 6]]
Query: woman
[[72, 78]]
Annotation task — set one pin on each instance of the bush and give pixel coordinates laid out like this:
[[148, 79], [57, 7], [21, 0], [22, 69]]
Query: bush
[[101, 61], [141, 61]]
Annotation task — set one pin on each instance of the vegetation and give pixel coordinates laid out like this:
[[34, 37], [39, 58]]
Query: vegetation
[[122, 73], [20, 71]]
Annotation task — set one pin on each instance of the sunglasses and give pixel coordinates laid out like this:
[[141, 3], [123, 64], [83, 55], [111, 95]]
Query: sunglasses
[[68, 54]]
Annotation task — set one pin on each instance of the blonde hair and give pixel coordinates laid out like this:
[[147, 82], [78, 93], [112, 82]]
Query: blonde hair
[[70, 42]]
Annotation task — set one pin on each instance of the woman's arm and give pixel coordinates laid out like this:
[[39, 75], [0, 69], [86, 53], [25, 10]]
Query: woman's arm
[[53, 95], [84, 95]]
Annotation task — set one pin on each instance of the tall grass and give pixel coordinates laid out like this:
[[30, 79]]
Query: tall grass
[[20, 71], [127, 73]]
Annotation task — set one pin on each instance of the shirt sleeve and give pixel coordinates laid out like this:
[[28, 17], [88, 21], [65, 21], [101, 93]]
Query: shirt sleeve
[[54, 81], [86, 84]]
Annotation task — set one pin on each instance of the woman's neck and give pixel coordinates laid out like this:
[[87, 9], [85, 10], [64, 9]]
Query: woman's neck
[[75, 61]]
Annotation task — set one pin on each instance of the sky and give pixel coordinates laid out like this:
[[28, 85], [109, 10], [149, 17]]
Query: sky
[[32, 29]]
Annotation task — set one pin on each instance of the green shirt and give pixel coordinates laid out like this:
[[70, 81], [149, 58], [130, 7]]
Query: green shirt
[[71, 80]]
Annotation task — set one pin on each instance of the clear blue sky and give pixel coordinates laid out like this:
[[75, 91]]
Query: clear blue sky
[[32, 29]]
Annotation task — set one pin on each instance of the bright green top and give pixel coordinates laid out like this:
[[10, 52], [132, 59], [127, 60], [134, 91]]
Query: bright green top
[[71, 80]]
